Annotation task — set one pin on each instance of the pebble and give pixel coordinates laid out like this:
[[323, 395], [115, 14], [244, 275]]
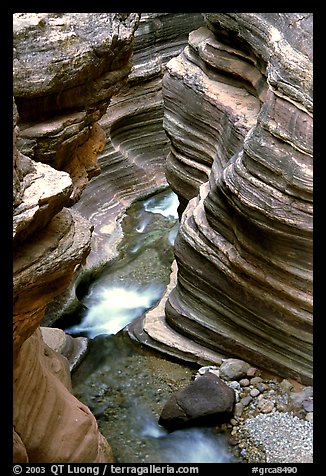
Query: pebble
[[246, 400], [308, 404], [310, 416], [255, 380], [254, 392], [233, 369], [286, 385], [238, 409], [251, 372], [266, 406]]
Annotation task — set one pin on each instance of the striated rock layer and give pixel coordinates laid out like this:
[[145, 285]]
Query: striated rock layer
[[66, 68], [238, 111], [133, 160], [51, 423]]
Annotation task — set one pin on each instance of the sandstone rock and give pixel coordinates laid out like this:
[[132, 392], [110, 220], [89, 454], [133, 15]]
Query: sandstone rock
[[238, 113], [19, 450], [66, 67], [73, 348], [69, 59], [153, 331], [133, 160], [17, 162], [205, 401], [52, 424], [205, 119], [46, 194], [44, 268]]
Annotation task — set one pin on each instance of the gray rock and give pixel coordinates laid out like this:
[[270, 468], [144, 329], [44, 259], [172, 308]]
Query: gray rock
[[254, 392], [207, 400], [246, 400], [244, 382], [308, 404], [251, 372], [265, 405], [286, 386], [238, 409], [73, 348], [233, 369], [298, 398], [255, 380]]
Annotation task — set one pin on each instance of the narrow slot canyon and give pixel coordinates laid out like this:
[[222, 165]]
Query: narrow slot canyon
[[162, 237]]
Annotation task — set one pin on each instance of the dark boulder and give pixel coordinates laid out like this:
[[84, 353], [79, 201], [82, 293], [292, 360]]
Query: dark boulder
[[206, 401]]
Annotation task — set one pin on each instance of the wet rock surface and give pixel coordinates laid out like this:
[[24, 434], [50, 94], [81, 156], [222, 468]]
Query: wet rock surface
[[257, 392], [126, 386], [204, 401]]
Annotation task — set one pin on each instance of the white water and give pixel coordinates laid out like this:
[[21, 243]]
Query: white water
[[167, 206], [112, 308], [111, 304], [173, 234], [143, 224], [191, 445], [196, 445]]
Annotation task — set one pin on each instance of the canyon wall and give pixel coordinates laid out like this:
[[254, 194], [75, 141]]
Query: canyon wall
[[66, 68], [237, 149], [133, 160], [238, 111]]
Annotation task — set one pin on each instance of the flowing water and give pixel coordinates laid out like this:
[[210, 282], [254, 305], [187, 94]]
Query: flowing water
[[124, 384]]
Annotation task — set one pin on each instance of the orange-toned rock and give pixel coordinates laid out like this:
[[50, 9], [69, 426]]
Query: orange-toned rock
[[49, 422], [61, 90]]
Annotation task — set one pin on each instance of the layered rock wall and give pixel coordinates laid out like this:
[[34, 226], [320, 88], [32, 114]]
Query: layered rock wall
[[133, 160], [238, 112], [66, 68]]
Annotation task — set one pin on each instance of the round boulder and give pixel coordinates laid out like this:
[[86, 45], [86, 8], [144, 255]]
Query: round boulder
[[233, 369], [207, 401]]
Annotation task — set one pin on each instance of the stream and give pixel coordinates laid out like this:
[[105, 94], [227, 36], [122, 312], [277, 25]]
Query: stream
[[123, 383]]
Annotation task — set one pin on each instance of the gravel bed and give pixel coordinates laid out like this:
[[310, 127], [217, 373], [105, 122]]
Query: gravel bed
[[273, 417], [277, 438]]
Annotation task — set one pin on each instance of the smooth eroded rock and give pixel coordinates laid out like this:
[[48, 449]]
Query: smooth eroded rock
[[238, 113], [205, 401]]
